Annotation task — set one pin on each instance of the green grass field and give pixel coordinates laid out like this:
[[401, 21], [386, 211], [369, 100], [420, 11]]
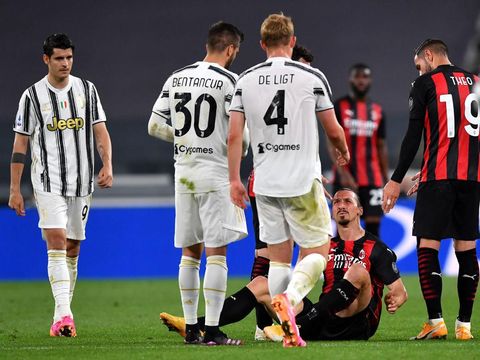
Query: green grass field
[[119, 320]]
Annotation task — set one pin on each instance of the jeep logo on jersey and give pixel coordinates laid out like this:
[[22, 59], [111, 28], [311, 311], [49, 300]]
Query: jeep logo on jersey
[[262, 147], [61, 124], [189, 150]]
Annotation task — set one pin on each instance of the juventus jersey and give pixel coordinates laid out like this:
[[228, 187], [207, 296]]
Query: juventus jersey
[[60, 125], [280, 98], [196, 99]]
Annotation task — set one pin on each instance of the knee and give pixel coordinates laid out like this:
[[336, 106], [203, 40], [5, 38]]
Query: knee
[[259, 288], [73, 248], [56, 239], [357, 275]]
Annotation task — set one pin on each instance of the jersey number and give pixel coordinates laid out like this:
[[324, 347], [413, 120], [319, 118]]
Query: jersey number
[[181, 107], [471, 118], [277, 103]]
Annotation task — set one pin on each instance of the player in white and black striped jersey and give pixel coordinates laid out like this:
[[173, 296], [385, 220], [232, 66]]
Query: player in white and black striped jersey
[[281, 100], [195, 99], [60, 116]]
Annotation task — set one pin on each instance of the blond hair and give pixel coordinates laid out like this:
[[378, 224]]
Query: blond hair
[[276, 29]]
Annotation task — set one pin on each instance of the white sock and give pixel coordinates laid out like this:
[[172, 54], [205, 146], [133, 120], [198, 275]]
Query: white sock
[[305, 275], [278, 277], [459, 323], [434, 322], [60, 282], [214, 288], [189, 284], [72, 265]]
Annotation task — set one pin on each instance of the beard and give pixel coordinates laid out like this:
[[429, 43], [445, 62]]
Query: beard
[[359, 93]]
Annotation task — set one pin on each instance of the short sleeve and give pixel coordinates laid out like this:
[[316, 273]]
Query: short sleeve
[[323, 93], [25, 119], [382, 131], [162, 105], [229, 91], [237, 103], [97, 108], [384, 263]]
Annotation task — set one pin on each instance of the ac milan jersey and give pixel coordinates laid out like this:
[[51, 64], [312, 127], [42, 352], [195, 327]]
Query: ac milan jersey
[[60, 125], [280, 98], [363, 123], [372, 254], [444, 101], [196, 99]]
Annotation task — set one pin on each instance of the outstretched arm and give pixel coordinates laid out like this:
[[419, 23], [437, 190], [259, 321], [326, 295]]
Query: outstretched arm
[[104, 148]]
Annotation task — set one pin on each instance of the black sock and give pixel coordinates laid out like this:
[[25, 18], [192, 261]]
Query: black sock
[[340, 297], [263, 317], [212, 330], [260, 267], [373, 228], [467, 282], [192, 328], [235, 308], [430, 281]]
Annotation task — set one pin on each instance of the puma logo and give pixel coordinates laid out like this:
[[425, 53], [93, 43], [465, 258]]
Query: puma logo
[[435, 273], [469, 276]]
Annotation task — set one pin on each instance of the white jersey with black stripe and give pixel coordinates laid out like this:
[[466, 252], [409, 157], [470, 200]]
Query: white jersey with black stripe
[[60, 125], [280, 99], [195, 99]]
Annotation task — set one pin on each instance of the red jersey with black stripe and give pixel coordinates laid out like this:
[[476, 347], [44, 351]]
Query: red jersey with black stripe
[[364, 123], [444, 101], [369, 251]]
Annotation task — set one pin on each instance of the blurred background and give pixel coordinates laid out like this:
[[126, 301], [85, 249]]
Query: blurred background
[[129, 49]]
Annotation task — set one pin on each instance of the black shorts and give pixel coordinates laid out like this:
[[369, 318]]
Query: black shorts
[[447, 209], [258, 243], [370, 199], [325, 326]]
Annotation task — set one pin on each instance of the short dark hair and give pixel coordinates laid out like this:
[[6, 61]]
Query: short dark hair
[[359, 67], [59, 41], [300, 51], [221, 35], [356, 197], [435, 45]]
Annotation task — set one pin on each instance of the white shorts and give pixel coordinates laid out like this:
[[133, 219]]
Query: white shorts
[[60, 212], [305, 219], [209, 218]]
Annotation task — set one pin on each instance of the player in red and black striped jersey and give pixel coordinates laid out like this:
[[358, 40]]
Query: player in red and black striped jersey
[[365, 130], [444, 108], [359, 266]]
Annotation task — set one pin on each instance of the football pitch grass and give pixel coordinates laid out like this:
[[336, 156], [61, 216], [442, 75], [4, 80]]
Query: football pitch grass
[[119, 320]]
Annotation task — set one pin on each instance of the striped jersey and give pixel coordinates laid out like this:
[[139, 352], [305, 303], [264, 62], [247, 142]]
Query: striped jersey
[[280, 98], [445, 102], [60, 125], [196, 99], [373, 255], [364, 123]]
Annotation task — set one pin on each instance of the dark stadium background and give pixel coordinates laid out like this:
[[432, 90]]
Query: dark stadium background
[[128, 49]]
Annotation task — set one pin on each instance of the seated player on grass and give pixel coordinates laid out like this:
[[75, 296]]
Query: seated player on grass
[[349, 308]]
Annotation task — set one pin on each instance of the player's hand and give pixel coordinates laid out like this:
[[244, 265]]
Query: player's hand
[[395, 299], [342, 159], [347, 180], [327, 194], [414, 187], [16, 203], [105, 177], [238, 194], [391, 192]]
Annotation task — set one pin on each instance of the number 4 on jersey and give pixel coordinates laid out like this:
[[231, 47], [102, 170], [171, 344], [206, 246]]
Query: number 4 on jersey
[[277, 103]]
